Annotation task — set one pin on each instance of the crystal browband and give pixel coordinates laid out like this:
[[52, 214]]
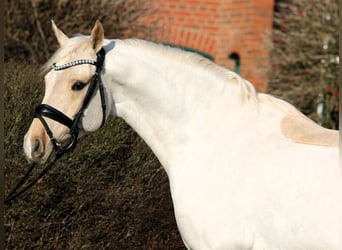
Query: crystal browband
[[74, 63]]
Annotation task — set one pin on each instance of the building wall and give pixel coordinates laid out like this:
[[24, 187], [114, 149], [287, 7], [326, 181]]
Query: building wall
[[221, 28]]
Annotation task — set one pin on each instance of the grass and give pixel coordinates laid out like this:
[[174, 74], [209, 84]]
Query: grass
[[109, 193]]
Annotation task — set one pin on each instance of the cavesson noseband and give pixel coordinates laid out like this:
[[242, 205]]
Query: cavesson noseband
[[45, 110]]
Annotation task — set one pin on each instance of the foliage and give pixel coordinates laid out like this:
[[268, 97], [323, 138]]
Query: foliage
[[28, 33], [305, 57], [110, 193]]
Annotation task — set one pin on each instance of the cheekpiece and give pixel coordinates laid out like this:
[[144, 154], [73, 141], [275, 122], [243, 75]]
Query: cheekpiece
[[73, 63]]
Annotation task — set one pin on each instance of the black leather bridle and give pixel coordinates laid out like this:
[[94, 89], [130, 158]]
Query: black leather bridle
[[45, 110]]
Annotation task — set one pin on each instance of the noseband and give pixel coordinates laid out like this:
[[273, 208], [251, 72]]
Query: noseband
[[45, 110]]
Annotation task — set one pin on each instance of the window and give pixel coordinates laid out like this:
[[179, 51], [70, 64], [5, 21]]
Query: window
[[236, 60]]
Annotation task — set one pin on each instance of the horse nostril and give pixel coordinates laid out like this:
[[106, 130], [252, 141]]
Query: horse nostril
[[36, 145], [38, 148]]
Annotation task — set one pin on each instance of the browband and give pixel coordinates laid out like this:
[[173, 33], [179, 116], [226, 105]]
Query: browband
[[73, 63]]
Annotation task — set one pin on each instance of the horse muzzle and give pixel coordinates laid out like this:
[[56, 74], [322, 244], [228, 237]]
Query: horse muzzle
[[39, 148], [37, 145]]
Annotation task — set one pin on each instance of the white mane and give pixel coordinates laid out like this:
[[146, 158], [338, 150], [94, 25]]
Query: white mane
[[66, 50], [245, 89]]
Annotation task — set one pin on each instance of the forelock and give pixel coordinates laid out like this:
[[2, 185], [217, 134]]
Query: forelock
[[65, 51]]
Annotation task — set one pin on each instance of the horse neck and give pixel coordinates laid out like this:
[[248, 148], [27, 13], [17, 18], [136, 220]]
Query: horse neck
[[161, 97]]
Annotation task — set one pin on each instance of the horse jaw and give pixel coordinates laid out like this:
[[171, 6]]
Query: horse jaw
[[92, 118]]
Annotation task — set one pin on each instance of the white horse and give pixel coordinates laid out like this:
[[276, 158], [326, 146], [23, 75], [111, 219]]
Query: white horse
[[246, 170]]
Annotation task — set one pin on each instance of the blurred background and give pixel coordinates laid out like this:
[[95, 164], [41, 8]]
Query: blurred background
[[111, 192]]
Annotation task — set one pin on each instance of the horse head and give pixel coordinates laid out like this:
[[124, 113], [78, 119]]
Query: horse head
[[73, 96]]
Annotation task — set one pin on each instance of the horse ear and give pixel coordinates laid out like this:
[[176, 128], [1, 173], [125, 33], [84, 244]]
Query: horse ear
[[61, 37], [97, 36]]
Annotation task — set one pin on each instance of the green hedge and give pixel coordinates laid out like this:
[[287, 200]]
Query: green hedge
[[109, 193]]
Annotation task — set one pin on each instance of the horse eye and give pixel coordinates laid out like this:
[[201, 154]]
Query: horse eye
[[78, 85]]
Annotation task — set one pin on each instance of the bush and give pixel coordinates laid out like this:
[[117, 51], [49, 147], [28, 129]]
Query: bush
[[28, 32], [109, 193], [305, 57]]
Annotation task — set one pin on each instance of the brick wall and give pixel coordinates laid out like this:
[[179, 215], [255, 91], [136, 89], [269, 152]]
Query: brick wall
[[221, 28]]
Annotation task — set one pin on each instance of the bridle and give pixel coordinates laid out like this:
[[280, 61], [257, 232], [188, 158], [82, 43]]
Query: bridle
[[45, 110]]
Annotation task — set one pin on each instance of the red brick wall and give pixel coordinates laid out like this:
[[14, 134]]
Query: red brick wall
[[220, 28]]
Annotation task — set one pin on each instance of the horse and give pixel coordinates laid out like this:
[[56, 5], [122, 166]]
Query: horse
[[246, 170]]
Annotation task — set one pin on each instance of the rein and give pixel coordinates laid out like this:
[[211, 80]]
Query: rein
[[45, 110]]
